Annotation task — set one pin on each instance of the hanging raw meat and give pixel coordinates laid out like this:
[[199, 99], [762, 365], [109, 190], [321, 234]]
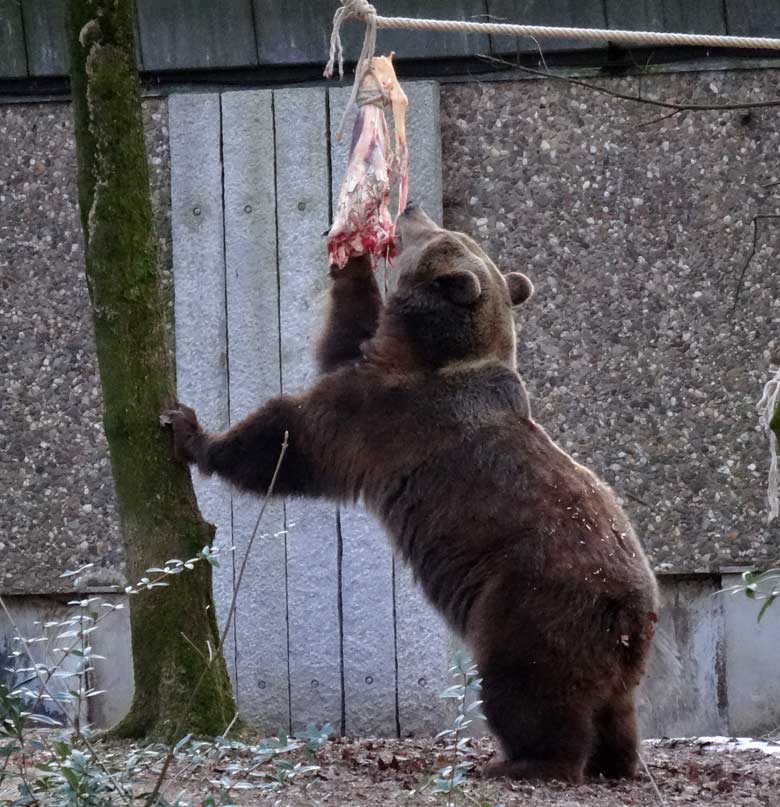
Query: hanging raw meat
[[363, 223]]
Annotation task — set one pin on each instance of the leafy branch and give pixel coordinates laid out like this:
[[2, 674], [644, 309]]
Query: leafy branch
[[450, 778]]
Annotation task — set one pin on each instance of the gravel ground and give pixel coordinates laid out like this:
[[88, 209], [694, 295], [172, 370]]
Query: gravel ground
[[386, 772], [390, 772]]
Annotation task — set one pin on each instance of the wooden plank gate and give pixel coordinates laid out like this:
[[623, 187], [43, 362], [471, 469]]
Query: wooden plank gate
[[329, 625]]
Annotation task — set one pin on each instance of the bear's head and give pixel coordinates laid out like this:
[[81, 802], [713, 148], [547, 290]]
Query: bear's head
[[452, 305]]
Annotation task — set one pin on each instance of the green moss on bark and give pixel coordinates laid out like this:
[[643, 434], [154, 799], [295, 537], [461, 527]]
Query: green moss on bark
[[157, 505]]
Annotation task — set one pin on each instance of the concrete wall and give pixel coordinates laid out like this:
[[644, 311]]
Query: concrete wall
[[714, 671], [37, 620], [752, 685]]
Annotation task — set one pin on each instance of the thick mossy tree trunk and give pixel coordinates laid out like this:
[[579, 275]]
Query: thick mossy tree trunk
[[158, 510]]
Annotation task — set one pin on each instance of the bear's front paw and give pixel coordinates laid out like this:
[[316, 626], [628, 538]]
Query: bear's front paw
[[187, 434], [357, 266]]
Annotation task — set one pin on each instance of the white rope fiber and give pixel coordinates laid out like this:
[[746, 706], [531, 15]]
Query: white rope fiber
[[767, 407]]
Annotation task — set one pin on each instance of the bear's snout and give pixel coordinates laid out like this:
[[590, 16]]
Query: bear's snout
[[415, 226]]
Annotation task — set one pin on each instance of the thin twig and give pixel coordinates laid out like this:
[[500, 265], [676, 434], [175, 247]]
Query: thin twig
[[192, 644], [541, 54], [160, 779], [750, 257], [650, 776], [635, 498], [240, 577], [661, 118], [638, 99], [231, 611]]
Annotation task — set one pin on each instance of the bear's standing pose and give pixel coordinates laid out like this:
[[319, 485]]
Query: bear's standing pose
[[420, 412]]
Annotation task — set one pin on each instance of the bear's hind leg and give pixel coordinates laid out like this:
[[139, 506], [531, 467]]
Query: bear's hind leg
[[542, 736], [616, 748]]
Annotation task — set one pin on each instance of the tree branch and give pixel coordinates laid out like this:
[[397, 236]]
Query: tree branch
[[637, 99], [751, 255]]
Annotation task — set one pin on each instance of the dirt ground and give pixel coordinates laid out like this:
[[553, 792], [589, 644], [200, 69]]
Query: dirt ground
[[382, 773], [389, 772]]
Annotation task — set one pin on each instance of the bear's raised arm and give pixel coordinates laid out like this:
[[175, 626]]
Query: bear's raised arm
[[247, 453], [353, 314], [323, 442]]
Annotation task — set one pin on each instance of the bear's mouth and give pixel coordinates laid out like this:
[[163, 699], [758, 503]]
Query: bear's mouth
[[413, 226]]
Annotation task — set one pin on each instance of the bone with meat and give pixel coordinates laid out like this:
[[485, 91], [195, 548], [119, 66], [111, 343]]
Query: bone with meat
[[363, 223]]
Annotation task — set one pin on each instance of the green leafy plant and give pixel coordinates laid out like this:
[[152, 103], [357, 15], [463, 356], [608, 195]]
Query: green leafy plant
[[60, 767], [449, 779], [252, 766], [763, 587]]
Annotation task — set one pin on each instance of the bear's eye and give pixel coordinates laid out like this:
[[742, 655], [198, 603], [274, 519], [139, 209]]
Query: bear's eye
[[460, 287]]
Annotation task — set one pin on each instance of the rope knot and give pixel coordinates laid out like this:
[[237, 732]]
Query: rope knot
[[359, 9], [348, 10]]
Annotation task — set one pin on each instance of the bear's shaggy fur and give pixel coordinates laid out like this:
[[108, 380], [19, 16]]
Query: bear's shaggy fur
[[420, 412]]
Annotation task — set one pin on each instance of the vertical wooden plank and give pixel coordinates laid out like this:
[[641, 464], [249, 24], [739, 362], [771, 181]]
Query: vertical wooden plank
[[199, 286], [433, 44], [13, 62], [424, 134], [180, 34], [693, 16], [753, 17], [44, 28], [303, 190], [423, 640], [367, 561], [254, 376], [370, 684], [302, 33], [635, 15], [570, 13]]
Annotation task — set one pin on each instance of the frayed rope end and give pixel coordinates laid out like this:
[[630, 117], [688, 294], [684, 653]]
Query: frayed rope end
[[767, 407], [348, 10]]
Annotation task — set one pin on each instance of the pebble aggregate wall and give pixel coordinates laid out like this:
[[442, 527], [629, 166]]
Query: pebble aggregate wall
[[635, 232], [57, 507]]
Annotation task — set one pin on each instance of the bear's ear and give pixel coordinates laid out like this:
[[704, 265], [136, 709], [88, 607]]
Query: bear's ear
[[520, 287], [460, 287]]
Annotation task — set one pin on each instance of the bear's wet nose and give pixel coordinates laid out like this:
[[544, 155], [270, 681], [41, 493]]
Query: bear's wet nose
[[410, 208]]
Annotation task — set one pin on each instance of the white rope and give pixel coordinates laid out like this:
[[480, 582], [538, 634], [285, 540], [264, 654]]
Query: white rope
[[364, 11], [552, 32], [767, 407]]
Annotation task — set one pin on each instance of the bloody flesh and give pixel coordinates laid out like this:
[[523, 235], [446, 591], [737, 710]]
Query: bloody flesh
[[363, 223]]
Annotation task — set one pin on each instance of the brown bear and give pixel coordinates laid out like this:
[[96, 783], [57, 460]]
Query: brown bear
[[420, 412]]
